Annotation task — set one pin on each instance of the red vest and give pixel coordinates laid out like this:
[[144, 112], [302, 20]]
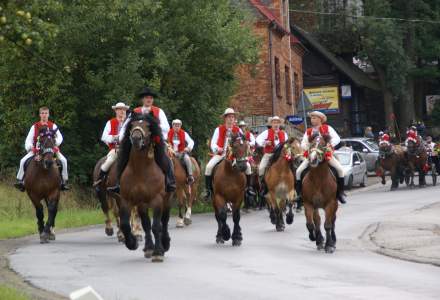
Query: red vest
[[181, 135], [37, 127], [323, 130], [248, 136], [271, 137], [222, 134], [114, 130], [154, 109]]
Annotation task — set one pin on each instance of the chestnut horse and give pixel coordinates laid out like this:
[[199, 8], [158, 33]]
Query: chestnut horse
[[417, 158], [142, 185], [319, 191], [229, 183], [280, 181], [392, 159], [42, 181], [109, 204], [186, 194]]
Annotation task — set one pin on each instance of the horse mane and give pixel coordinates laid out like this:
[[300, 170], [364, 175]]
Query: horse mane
[[278, 150], [125, 145]]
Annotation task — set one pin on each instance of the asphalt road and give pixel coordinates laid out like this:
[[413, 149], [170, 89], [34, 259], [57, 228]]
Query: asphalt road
[[268, 265]]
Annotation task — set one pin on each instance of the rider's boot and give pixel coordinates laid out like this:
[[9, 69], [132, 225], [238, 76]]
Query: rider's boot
[[298, 190], [249, 187], [19, 185], [64, 185], [208, 188], [101, 177], [263, 187], [166, 165], [116, 188], [340, 191]]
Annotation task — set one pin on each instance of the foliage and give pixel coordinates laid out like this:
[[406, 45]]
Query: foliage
[[96, 53], [435, 115], [8, 293]]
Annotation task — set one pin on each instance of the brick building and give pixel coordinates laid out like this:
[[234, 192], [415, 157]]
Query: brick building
[[273, 86]]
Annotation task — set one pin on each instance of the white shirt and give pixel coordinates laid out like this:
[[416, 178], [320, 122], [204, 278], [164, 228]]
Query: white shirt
[[215, 136], [106, 136], [29, 143], [188, 140], [334, 138], [163, 123], [252, 139], [262, 138], [431, 146]]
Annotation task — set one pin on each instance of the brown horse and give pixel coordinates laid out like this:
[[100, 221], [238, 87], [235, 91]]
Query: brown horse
[[255, 201], [319, 191], [109, 204], [417, 158], [143, 186], [392, 159], [280, 181], [186, 194], [42, 181], [229, 183]]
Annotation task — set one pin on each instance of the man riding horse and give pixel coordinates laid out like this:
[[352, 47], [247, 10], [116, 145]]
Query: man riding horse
[[160, 155], [32, 146], [110, 136], [318, 120], [269, 139], [182, 144], [219, 145]]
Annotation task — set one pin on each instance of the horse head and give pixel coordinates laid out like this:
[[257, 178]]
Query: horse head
[[385, 150], [412, 147], [47, 144], [239, 150], [143, 128], [293, 151], [317, 150]]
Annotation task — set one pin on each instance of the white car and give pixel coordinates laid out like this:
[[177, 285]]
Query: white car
[[355, 167]]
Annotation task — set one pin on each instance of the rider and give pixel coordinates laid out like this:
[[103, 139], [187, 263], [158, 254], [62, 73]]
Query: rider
[[182, 144], [31, 145], [110, 136], [219, 144], [384, 138], [160, 156], [411, 134], [318, 120], [247, 133], [269, 139]]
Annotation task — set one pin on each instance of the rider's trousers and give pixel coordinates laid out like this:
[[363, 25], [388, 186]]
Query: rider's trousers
[[110, 159], [332, 162], [30, 154], [187, 161], [263, 163]]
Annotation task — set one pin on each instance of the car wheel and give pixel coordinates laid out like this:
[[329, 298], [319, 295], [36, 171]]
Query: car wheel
[[350, 183], [364, 180]]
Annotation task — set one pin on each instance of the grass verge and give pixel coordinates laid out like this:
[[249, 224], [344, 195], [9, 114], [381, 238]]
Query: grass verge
[[7, 293]]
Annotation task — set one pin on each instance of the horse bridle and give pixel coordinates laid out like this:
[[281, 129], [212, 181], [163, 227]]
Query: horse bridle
[[43, 149], [143, 134], [235, 161], [315, 148]]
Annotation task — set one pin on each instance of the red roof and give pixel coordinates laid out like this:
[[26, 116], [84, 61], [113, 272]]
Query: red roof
[[265, 11]]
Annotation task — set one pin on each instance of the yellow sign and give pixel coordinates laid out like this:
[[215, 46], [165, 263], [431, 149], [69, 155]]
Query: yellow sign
[[325, 98]]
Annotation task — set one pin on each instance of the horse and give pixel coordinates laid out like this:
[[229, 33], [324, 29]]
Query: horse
[[186, 194], [417, 158], [392, 159], [109, 204], [229, 183], [280, 181], [319, 191], [42, 181], [142, 185]]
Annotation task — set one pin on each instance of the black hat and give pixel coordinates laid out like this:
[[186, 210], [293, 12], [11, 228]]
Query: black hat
[[146, 92]]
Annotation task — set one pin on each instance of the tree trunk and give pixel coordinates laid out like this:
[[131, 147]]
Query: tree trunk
[[387, 99]]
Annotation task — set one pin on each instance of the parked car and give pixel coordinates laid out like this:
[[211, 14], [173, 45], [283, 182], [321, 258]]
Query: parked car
[[355, 167], [368, 149]]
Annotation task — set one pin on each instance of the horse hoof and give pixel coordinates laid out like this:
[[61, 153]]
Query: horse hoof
[[226, 233], [280, 228], [187, 221], [166, 243], [236, 243], [44, 238], [148, 253], [219, 240], [180, 223], [131, 243], [289, 219], [109, 231], [319, 247], [330, 249], [157, 258], [51, 237], [312, 237], [139, 238], [121, 239]]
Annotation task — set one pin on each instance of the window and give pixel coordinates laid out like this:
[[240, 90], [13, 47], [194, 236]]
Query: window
[[357, 146], [355, 158], [288, 85], [277, 77], [285, 14], [296, 85]]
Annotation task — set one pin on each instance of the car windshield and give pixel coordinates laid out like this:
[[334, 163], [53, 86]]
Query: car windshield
[[344, 158], [372, 144]]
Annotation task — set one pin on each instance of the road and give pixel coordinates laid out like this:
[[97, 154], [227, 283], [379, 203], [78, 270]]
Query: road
[[269, 265]]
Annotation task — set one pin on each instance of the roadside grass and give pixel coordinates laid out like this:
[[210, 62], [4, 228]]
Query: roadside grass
[[7, 293]]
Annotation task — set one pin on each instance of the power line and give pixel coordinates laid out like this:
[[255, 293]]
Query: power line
[[364, 17]]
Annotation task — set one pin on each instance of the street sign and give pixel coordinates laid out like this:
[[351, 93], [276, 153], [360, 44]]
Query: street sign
[[295, 120]]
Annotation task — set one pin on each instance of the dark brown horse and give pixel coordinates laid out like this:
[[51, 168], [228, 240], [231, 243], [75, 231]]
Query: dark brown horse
[[280, 181], [42, 182], [257, 200], [143, 186], [319, 191], [186, 194], [417, 158], [109, 204], [392, 159], [229, 183]]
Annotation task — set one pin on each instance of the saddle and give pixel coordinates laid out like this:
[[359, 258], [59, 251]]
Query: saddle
[[182, 163], [28, 162]]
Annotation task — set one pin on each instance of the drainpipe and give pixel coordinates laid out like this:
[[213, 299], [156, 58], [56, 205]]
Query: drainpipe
[[272, 71]]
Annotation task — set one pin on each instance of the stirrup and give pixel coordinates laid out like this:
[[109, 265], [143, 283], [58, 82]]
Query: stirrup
[[114, 189], [20, 186], [250, 191], [190, 179], [97, 182]]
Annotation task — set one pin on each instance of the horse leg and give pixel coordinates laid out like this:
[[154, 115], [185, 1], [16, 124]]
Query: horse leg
[[136, 224], [179, 223], [39, 212], [102, 196], [318, 234], [330, 219], [125, 216], [146, 225], [308, 210], [270, 199], [279, 216], [289, 215], [422, 181], [52, 209], [158, 252], [187, 219], [115, 210], [223, 233], [166, 239], [237, 237]]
